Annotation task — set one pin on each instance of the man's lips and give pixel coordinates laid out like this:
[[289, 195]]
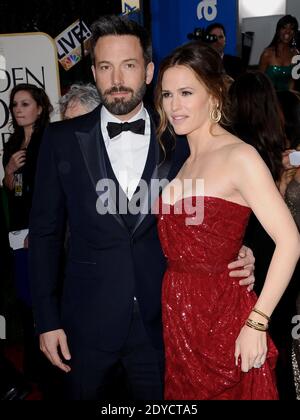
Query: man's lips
[[122, 93]]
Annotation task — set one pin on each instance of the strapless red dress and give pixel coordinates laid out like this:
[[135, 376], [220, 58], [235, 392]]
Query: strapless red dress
[[203, 308]]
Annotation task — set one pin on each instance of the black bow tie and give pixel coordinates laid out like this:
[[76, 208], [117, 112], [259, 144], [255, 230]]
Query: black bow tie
[[137, 127]]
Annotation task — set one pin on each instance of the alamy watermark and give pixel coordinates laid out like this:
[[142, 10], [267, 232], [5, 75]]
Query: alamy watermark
[[2, 328], [296, 68], [296, 329], [185, 197], [207, 9], [2, 67]]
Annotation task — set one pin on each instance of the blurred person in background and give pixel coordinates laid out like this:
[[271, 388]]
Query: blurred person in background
[[13, 385], [276, 59], [30, 110], [233, 65], [257, 119], [290, 188], [79, 100], [290, 180]]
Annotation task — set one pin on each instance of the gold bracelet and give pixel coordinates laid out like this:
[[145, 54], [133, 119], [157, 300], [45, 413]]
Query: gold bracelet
[[256, 325], [262, 314]]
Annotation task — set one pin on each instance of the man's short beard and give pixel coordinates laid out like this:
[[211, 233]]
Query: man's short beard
[[119, 106]]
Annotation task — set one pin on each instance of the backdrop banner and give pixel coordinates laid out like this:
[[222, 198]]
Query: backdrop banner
[[173, 20], [26, 58], [68, 44], [129, 6]]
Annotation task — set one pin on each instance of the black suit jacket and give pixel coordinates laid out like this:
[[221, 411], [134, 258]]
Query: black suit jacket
[[107, 264]]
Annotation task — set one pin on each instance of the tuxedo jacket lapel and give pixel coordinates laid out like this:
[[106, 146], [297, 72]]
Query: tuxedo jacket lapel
[[92, 146], [160, 172], [93, 158]]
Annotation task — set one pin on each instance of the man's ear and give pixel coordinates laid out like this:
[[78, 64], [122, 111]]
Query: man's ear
[[149, 73]]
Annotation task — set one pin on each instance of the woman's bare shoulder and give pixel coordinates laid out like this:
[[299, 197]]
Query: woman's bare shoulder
[[267, 55], [233, 145], [268, 52], [229, 140], [241, 152]]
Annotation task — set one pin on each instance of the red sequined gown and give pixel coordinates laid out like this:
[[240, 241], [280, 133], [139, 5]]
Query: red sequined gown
[[203, 308]]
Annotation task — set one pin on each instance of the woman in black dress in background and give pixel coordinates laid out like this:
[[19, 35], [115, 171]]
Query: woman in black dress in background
[[258, 120], [290, 189], [30, 112]]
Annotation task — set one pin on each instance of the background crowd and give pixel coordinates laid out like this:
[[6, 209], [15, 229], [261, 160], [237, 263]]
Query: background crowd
[[264, 111]]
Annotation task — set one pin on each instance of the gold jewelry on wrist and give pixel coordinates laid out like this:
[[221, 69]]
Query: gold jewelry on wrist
[[256, 325], [262, 314]]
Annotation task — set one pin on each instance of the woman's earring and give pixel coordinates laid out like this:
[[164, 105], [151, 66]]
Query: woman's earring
[[215, 115]]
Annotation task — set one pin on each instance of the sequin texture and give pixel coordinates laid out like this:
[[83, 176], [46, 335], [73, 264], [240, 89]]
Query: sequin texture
[[204, 309]]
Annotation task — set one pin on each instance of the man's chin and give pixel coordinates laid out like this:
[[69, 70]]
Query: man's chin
[[119, 108], [117, 101]]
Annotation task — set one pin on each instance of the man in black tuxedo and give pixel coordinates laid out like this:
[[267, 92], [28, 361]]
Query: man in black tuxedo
[[233, 65], [110, 311]]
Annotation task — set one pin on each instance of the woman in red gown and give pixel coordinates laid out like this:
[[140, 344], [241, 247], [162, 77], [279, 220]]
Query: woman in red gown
[[215, 333]]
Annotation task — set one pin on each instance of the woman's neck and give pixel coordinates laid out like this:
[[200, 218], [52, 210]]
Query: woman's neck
[[27, 136], [283, 48], [202, 140]]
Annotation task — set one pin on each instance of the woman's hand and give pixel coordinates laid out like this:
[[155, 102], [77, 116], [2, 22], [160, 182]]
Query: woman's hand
[[251, 346], [286, 177], [16, 162], [286, 160]]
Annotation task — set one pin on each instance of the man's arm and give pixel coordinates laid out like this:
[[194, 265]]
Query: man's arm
[[46, 238], [244, 267], [46, 232]]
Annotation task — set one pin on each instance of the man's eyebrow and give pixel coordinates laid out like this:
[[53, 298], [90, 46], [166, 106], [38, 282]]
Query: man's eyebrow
[[124, 61], [103, 62]]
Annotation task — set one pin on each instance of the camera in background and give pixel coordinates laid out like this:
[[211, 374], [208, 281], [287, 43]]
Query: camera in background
[[200, 34]]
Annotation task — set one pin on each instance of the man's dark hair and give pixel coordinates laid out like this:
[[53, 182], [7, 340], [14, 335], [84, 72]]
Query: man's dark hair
[[120, 25], [213, 26]]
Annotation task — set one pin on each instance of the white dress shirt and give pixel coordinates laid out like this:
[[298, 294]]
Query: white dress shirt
[[128, 151]]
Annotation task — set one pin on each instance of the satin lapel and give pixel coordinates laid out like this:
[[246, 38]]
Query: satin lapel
[[157, 182], [91, 145]]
